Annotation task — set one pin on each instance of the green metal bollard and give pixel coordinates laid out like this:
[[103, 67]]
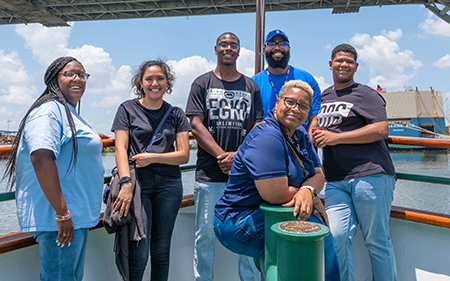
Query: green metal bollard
[[300, 250], [274, 214]]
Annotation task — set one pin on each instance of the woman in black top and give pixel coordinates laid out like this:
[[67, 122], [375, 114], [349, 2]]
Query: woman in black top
[[157, 171]]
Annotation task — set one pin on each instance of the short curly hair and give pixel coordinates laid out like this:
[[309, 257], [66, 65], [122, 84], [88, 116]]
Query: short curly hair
[[137, 78], [346, 48], [296, 84]]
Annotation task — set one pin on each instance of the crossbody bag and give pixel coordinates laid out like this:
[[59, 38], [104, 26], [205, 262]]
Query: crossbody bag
[[114, 172]]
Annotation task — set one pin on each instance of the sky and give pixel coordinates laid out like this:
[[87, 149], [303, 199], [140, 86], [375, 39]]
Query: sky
[[398, 46]]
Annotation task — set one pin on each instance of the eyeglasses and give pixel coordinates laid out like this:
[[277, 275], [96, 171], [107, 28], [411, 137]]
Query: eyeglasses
[[233, 46], [290, 103], [281, 44], [71, 75]]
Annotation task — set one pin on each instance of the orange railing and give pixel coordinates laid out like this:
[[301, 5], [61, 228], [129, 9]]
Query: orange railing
[[5, 149], [426, 142], [18, 240]]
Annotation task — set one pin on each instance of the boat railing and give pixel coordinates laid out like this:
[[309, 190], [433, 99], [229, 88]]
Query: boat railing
[[18, 240]]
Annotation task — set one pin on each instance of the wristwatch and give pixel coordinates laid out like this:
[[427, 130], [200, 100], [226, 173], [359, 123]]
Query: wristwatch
[[124, 179], [313, 190]]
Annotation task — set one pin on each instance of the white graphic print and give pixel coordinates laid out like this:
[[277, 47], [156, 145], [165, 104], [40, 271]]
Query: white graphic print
[[331, 113], [228, 108]]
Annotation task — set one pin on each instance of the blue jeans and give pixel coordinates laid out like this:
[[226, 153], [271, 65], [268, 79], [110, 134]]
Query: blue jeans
[[161, 198], [206, 195], [365, 201], [244, 235], [61, 264]]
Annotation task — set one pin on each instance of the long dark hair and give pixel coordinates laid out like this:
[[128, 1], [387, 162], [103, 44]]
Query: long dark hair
[[51, 92]]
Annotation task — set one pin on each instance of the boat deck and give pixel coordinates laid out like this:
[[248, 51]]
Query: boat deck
[[421, 242], [420, 238]]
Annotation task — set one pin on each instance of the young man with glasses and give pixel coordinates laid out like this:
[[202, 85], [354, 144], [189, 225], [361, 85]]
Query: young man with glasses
[[223, 106], [277, 51]]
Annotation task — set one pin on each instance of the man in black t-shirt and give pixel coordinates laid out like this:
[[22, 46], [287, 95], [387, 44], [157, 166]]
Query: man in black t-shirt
[[358, 168], [223, 106]]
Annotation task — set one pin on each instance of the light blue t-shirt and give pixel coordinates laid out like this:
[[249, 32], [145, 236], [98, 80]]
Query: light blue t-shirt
[[47, 127], [269, 97]]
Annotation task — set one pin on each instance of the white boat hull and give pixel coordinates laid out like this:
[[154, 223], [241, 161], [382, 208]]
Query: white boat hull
[[422, 253]]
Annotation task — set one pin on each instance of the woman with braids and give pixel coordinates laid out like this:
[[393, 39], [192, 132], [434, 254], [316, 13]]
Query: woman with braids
[[57, 167], [157, 173]]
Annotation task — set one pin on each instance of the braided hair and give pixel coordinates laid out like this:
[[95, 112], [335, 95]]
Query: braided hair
[[51, 92]]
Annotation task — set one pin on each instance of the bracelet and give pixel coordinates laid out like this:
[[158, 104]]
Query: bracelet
[[59, 218], [312, 189]]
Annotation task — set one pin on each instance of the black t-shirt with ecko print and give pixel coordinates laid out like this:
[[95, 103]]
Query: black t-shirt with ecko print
[[141, 123], [230, 109], [347, 110]]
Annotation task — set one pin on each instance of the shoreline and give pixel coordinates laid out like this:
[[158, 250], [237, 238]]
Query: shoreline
[[7, 140]]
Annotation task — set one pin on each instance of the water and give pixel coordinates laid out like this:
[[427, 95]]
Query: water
[[422, 196], [8, 218]]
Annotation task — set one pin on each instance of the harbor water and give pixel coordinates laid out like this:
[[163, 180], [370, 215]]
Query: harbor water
[[417, 195]]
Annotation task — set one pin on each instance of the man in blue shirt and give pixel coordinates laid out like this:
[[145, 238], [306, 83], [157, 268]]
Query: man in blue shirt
[[270, 80]]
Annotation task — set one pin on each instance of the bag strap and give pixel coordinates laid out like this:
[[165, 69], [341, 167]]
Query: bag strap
[[305, 171], [158, 128], [259, 123]]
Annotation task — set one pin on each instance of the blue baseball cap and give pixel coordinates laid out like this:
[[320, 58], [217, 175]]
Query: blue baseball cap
[[273, 33]]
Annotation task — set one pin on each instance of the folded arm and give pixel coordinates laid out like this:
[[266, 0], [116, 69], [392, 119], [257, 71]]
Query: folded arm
[[367, 134], [178, 157], [277, 191], [207, 142], [303, 200]]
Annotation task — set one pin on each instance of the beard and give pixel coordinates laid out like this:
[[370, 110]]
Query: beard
[[282, 63]]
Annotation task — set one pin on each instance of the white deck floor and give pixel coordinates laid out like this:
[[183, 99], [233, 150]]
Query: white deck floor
[[422, 253]]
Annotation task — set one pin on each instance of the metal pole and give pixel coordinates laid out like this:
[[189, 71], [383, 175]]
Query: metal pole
[[7, 131], [259, 41]]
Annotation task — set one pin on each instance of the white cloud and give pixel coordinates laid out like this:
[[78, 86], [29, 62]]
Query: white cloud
[[9, 119], [106, 88], [443, 62], [15, 83], [393, 35], [322, 84], [389, 66], [46, 44], [187, 69], [18, 95], [436, 26], [97, 63], [4, 112], [12, 70], [105, 91], [246, 62]]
